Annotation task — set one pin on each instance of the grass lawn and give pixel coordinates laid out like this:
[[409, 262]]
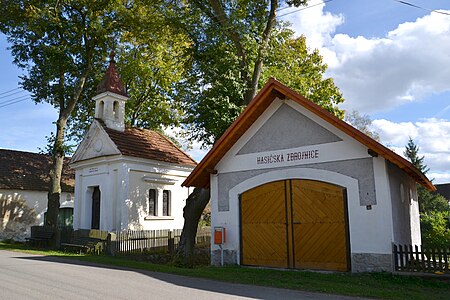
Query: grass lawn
[[375, 285]]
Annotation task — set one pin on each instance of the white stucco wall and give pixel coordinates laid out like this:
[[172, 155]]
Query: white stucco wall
[[16, 224], [124, 183]]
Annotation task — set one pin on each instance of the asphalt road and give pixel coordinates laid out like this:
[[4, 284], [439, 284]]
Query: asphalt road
[[25, 276]]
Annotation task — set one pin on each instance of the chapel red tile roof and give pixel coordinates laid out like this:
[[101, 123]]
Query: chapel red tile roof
[[149, 144], [30, 171], [111, 80]]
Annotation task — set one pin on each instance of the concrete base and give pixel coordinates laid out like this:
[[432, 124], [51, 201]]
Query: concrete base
[[229, 257], [361, 262], [371, 262]]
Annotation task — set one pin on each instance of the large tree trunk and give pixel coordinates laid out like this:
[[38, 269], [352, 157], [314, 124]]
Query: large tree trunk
[[195, 204], [65, 109], [54, 192]]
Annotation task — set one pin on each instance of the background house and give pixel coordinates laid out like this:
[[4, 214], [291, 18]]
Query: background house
[[444, 190], [296, 187], [127, 178], [24, 183]]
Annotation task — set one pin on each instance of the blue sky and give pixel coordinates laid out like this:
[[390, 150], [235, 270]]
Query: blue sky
[[390, 60]]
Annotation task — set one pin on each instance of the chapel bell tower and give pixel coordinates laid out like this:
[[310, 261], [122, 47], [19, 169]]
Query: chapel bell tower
[[110, 99]]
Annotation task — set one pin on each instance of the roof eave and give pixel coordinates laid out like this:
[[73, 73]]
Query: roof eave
[[273, 89]]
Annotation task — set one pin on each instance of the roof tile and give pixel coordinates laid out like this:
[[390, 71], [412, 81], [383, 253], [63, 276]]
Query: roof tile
[[30, 171], [111, 81], [149, 144]]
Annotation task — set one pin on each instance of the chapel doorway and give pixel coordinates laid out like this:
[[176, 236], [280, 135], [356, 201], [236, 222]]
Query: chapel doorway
[[299, 224], [96, 195]]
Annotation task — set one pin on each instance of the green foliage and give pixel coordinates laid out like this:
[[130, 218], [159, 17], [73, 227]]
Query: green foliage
[[430, 202], [225, 59], [68, 149], [152, 58], [435, 227], [59, 44], [295, 65]]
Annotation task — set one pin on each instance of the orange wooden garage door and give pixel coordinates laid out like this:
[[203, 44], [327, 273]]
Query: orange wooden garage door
[[294, 224], [263, 226]]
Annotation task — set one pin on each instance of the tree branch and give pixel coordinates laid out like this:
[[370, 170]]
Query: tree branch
[[262, 51], [220, 17]]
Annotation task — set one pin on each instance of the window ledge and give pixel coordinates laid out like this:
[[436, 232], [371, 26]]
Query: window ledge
[[155, 218]]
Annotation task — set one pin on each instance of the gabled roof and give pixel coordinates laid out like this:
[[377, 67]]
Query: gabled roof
[[149, 144], [274, 89], [111, 80], [30, 171]]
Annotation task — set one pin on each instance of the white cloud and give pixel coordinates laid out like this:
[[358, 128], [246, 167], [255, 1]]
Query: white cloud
[[439, 177], [382, 73], [317, 25], [378, 74], [432, 136]]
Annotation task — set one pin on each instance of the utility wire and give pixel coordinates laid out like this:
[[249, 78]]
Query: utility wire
[[303, 8], [6, 96], [422, 8], [13, 99], [17, 101], [10, 91]]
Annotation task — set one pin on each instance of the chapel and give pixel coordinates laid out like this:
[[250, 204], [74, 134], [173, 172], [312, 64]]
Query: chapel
[[126, 178]]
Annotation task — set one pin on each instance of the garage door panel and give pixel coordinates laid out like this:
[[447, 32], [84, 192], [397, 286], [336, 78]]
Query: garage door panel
[[263, 225], [319, 225], [319, 243], [264, 245]]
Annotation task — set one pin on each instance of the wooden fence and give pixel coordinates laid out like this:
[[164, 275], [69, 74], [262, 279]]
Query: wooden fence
[[145, 241], [418, 259]]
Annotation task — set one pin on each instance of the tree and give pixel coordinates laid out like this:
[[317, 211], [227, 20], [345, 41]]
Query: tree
[[151, 57], [361, 122], [237, 45], [412, 153], [428, 202], [434, 208], [435, 226], [153, 54], [59, 44]]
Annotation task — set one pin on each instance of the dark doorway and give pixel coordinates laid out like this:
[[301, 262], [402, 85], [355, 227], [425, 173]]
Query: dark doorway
[[95, 224]]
